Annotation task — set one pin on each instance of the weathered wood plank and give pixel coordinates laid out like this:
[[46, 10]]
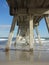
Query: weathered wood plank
[[47, 22], [35, 7]]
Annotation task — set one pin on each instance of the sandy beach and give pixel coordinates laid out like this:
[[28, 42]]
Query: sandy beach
[[24, 57]]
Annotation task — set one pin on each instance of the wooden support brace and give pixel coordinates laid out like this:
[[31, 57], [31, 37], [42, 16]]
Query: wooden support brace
[[11, 33], [17, 37], [38, 34], [31, 34], [47, 22]]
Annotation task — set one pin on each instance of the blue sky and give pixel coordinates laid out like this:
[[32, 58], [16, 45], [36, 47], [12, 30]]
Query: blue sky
[[6, 19]]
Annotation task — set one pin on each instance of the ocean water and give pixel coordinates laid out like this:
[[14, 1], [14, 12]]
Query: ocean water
[[37, 46]]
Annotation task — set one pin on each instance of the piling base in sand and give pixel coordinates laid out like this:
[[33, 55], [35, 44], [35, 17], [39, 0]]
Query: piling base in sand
[[31, 50], [7, 49]]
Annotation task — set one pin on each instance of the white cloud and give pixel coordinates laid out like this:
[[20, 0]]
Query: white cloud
[[5, 26]]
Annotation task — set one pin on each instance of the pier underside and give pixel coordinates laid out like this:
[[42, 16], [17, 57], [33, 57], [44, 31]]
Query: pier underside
[[26, 26], [27, 14]]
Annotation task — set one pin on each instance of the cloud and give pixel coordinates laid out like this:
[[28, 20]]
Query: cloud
[[5, 26]]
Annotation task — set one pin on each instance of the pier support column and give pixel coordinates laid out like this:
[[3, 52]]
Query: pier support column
[[17, 37], [27, 36], [31, 34], [11, 34], [47, 22], [38, 34]]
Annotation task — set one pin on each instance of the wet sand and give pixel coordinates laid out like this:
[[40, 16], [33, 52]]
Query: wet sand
[[19, 57], [22, 55]]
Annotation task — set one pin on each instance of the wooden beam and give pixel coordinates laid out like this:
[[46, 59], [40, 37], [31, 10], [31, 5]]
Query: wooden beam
[[31, 34], [11, 34], [47, 22], [37, 32], [34, 12]]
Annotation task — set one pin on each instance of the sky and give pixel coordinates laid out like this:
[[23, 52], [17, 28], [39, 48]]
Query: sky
[[6, 21]]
